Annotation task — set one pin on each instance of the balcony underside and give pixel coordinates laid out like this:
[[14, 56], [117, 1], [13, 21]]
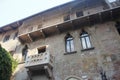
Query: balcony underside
[[89, 20], [40, 66]]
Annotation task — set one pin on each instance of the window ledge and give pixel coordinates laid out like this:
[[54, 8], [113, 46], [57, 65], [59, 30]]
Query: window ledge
[[67, 53], [88, 49]]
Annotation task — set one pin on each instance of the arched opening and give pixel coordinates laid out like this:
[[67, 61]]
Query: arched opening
[[73, 78], [24, 52], [85, 40], [69, 44], [117, 25]]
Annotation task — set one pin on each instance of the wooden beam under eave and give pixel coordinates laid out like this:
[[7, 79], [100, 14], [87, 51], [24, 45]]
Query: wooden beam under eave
[[30, 37], [2, 30], [89, 21], [43, 34], [58, 30], [48, 71], [72, 24], [100, 16], [20, 40], [111, 14]]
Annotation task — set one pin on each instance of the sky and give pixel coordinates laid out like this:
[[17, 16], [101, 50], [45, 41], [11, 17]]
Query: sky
[[112, 0], [14, 10]]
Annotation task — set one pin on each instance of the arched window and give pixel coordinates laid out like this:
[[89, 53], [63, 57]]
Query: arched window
[[69, 43], [6, 38], [118, 26], [24, 52], [73, 78], [85, 40], [15, 35]]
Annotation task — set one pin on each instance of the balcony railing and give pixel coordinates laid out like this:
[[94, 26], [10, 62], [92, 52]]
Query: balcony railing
[[39, 60]]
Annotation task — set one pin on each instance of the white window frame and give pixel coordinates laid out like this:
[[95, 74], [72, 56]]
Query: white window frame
[[85, 40], [69, 43]]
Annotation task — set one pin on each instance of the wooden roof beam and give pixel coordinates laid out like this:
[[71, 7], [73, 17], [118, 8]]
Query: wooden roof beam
[[30, 38], [43, 34]]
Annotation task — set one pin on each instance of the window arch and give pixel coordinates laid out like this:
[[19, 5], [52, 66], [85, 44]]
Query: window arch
[[6, 38], [15, 35], [85, 40], [73, 78], [69, 44]]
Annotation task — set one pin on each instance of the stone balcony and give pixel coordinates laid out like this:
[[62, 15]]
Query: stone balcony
[[41, 61]]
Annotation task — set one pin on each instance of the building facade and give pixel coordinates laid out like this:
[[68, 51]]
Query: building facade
[[79, 40]]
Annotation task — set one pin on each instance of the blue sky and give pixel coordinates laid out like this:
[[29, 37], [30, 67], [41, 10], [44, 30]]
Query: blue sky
[[13, 10], [112, 0]]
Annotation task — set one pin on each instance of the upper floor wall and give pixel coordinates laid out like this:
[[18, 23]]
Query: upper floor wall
[[59, 14]]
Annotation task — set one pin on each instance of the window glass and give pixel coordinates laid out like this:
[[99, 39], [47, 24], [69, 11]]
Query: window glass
[[85, 40], [79, 14], [72, 45], [68, 46], [69, 43], [88, 42], [6, 38], [66, 17], [16, 34], [83, 43]]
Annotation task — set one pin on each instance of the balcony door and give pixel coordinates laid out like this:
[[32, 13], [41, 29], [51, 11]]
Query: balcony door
[[41, 49]]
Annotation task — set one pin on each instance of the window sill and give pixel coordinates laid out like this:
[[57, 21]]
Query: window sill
[[67, 53], [88, 49]]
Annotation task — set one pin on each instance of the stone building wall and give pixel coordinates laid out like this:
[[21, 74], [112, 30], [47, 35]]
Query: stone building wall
[[84, 64]]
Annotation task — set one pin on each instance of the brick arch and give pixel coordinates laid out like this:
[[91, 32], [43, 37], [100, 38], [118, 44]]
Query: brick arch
[[73, 78]]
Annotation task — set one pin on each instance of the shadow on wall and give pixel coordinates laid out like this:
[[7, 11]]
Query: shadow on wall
[[20, 73]]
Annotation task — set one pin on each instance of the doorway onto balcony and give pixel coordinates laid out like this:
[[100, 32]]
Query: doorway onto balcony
[[41, 49]]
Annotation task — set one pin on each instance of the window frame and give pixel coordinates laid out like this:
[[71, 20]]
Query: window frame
[[67, 40], [15, 35], [79, 13], [72, 76], [117, 26], [87, 44], [6, 38], [66, 17]]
